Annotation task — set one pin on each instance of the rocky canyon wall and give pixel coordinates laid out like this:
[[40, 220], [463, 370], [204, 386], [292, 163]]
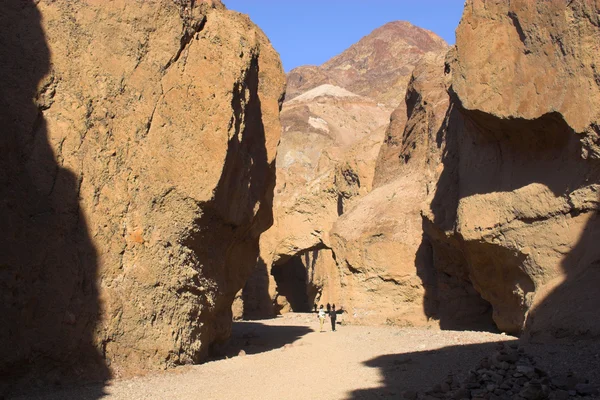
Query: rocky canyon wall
[[138, 143], [518, 195], [505, 211], [484, 201], [387, 261]]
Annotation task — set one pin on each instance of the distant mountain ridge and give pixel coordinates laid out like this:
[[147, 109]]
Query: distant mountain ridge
[[378, 66]]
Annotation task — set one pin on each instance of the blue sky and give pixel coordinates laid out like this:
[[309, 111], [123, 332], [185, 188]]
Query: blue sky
[[313, 31]]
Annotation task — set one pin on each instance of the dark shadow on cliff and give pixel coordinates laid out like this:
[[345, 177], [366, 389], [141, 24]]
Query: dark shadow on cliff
[[48, 264], [449, 295], [569, 312], [225, 239], [255, 337], [255, 295], [291, 277], [484, 154]]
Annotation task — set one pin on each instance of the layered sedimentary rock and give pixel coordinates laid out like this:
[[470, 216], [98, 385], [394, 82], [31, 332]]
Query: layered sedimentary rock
[[139, 141], [518, 196], [331, 140], [378, 66]]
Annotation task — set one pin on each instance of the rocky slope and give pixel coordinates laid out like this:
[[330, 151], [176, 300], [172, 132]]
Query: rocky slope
[[378, 66], [330, 144], [510, 373], [135, 183]]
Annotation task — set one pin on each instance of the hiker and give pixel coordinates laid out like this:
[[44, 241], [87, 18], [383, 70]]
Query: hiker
[[333, 316], [321, 316]]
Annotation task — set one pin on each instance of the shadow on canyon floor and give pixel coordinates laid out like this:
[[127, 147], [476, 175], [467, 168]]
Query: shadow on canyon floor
[[421, 370], [255, 337], [48, 264]]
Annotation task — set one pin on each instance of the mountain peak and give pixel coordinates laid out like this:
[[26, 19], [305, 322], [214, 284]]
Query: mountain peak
[[377, 66]]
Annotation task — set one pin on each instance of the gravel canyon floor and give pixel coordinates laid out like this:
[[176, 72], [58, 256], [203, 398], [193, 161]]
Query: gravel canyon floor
[[288, 358]]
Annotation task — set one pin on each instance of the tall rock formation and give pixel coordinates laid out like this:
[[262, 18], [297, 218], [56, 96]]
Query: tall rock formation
[[326, 159], [387, 265], [138, 143], [331, 140], [518, 197]]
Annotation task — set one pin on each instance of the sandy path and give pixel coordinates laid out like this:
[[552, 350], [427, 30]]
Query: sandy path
[[288, 359]]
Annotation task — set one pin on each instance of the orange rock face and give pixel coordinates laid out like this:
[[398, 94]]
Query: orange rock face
[[141, 139], [334, 122], [518, 196]]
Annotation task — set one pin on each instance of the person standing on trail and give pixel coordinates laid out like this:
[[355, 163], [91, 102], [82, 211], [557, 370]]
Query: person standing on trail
[[332, 316], [321, 316]]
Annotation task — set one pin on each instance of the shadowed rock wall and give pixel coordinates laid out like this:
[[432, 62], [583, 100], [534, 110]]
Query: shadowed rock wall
[[518, 195], [140, 141]]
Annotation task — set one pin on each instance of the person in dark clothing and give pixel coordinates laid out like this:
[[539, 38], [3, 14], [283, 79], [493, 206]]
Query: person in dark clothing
[[328, 308], [332, 316]]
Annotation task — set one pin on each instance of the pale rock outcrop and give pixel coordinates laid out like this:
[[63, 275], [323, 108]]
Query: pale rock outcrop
[[140, 140], [518, 196], [326, 159]]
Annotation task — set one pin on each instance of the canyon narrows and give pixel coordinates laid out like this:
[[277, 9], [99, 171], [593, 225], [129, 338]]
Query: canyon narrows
[[476, 206]]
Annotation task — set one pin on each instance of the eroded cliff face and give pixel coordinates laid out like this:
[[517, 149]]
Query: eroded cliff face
[[509, 215], [518, 196], [141, 139], [333, 130], [325, 160], [387, 261]]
